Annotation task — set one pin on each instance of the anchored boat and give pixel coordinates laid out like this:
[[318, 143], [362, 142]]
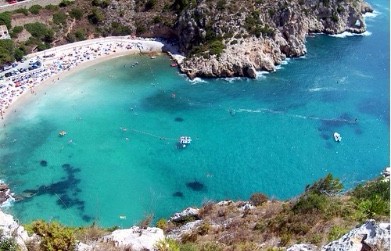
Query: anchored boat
[[337, 137], [184, 141]]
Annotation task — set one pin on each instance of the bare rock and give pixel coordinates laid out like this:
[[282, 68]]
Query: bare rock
[[185, 214], [135, 238], [280, 33], [11, 229], [369, 236], [303, 247]]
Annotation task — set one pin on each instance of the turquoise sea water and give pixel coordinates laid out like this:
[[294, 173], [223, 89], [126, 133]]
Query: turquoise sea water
[[272, 135]]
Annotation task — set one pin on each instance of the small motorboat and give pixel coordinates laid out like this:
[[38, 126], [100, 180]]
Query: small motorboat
[[337, 137], [184, 141], [62, 133]]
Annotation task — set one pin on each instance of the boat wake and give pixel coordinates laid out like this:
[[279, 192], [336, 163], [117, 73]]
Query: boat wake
[[271, 111]]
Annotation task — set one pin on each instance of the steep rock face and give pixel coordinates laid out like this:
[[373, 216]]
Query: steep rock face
[[258, 35], [11, 229], [369, 236]]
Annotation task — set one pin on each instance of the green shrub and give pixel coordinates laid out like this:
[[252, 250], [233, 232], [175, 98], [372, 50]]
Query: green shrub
[[40, 31], [162, 224], [76, 13], [204, 228], [328, 185], [188, 247], [340, 9], [334, 17], [60, 18], [101, 3], [17, 29], [5, 18], [233, 42], [51, 7], [19, 54], [167, 245], [310, 203], [216, 47], [157, 19], [150, 4], [118, 29], [221, 5], [257, 199], [374, 206], [336, 232], [368, 190], [8, 244], [7, 48], [96, 16], [54, 236], [65, 3], [80, 35], [285, 239], [35, 9], [22, 10], [373, 198]]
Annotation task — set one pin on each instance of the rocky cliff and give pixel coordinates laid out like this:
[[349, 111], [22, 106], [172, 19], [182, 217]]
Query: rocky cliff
[[235, 38]]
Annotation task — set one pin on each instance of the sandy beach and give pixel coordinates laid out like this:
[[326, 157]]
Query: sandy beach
[[58, 62]]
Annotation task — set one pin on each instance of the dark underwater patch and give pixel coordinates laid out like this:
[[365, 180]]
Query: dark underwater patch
[[179, 119], [329, 145], [329, 126], [43, 163], [325, 136], [66, 190], [165, 101], [195, 186], [376, 107], [87, 218], [178, 194]]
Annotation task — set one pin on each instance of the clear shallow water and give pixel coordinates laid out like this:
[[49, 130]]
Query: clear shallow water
[[272, 135]]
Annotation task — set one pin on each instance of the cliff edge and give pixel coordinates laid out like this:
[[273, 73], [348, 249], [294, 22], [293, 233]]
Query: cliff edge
[[235, 38]]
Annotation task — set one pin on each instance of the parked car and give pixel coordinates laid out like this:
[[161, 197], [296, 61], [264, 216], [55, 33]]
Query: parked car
[[6, 67]]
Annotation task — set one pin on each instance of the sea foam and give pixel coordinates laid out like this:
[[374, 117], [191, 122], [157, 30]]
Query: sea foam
[[349, 34]]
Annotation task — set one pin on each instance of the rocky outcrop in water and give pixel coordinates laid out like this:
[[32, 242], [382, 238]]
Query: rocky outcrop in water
[[5, 193], [232, 38]]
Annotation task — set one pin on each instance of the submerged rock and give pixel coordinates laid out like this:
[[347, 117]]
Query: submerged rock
[[195, 185], [43, 163]]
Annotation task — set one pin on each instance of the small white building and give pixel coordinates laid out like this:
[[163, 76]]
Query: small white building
[[4, 32]]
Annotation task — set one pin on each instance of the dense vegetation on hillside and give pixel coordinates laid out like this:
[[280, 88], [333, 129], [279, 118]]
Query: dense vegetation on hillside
[[321, 214], [203, 27]]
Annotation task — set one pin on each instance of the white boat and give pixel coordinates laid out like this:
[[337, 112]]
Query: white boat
[[337, 137], [184, 140], [62, 133]]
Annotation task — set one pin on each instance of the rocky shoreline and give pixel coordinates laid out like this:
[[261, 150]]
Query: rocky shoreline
[[281, 32], [5, 193], [197, 223]]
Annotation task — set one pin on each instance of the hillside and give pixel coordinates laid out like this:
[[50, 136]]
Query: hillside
[[314, 219], [222, 38]]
